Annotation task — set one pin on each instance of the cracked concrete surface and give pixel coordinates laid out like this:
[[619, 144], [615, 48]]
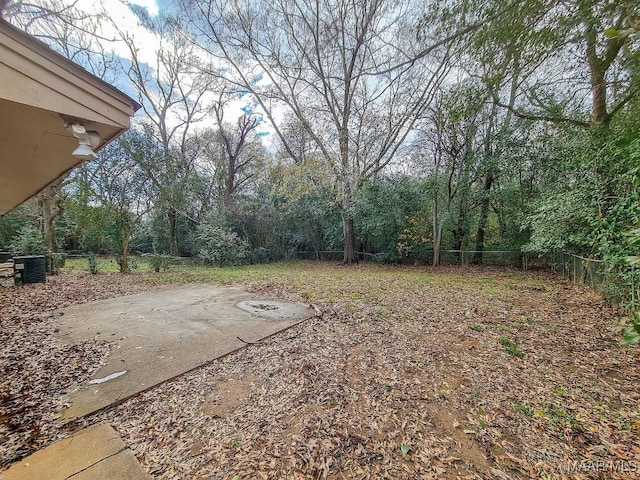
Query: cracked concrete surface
[[159, 335], [95, 452]]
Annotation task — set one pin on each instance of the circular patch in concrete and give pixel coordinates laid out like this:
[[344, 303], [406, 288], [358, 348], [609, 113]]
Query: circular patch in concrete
[[275, 309]]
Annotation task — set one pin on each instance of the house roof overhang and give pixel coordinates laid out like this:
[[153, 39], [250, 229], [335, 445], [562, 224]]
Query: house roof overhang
[[40, 92]]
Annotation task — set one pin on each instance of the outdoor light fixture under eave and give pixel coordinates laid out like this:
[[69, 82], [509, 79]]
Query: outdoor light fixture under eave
[[84, 151], [88, 140]]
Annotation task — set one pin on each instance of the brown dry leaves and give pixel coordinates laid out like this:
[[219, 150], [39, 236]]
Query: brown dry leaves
[[403, 376], [37, 370]]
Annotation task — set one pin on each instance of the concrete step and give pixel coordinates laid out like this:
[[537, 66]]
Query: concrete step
[[93, 453]]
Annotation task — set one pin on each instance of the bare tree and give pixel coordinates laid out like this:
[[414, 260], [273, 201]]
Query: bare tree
[[349, 71], [445, 150], [235, 141], [171, 92], [30, 15]]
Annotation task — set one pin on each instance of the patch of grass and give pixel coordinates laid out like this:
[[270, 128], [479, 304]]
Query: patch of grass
[[556, 417], [506, 342], [492, 291], [523, 409], [103, 263], [476, 327], [526, 321], [511, 347], [514, 351]]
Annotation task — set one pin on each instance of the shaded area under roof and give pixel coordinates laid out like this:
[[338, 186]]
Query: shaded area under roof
[[40, 90]]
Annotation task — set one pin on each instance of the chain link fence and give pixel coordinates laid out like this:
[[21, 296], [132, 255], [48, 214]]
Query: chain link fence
[[620, 284]]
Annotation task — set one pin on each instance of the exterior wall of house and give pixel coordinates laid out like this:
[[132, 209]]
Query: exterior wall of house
[[39, 91]]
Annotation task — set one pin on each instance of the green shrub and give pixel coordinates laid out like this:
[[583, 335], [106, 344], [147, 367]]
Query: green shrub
[[92, 262], [261, 255], [387, 257], [222, 246], [29, 242], [58, 260], [159, 262], [132, 263], [629, 327]]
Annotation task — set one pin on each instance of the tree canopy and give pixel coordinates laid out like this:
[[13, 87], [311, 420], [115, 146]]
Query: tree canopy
[[404, 131]]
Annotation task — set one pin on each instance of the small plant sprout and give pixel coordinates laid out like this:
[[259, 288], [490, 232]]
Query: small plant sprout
[[511, 347], [523, 409]]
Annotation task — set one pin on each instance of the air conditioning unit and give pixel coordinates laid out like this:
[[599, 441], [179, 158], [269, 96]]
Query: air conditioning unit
[[29, 269]]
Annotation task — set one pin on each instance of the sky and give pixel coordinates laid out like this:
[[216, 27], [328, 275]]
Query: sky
[[127, 21], [146, 42], [150, 5]]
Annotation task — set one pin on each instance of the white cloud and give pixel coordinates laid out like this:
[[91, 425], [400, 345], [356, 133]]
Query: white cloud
[[150, 5], [122, 20], [119, 14]]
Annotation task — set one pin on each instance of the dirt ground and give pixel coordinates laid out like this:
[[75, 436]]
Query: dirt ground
[[408, 373]]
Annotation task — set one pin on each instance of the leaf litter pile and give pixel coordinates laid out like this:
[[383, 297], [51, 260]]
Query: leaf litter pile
[[37, 370], [407, 373]]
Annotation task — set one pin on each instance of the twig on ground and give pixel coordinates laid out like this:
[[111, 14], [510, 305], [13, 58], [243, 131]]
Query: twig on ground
[[248, 343]]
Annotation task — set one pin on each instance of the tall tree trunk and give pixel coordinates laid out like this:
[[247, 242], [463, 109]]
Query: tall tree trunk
[[47, 218], [599, 112], [124, 253], [51, 206], [230, 182], [173, 231], [437, 235], [437, 242], [490, 155], [484, 217], [349, 243], [461, 230], [598, 64]]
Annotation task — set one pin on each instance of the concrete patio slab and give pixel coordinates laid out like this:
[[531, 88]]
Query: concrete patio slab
[[94, 453], [161, 334]]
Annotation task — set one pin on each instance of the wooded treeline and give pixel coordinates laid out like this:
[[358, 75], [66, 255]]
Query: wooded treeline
[[398, 129]]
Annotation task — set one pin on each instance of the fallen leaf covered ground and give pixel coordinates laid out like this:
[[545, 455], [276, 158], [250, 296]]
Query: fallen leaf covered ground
[[409, 372]]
